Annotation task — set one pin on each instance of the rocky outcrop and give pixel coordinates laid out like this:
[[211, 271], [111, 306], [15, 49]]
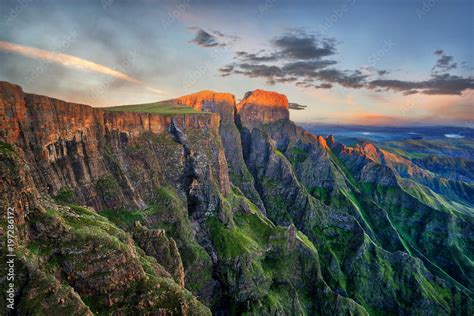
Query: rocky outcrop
[[261, 106], [224, 104], [211, 101], [156, 244]]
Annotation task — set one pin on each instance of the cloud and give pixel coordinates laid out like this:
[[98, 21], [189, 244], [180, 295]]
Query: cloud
[[69, 61], [296, 106], [299, 58], [303, 46], [348, 79], [306, 68], [211, 39], [444, 62], [255, 57], [264, 71], [302, 59], [437, 85], [304, 73], [323, 86], [294, 57], [293, 46], [455, 114], [204, 39], [226, 70]]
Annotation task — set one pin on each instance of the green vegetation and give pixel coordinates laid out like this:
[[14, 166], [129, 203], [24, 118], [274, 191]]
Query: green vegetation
[[169, 212], [260, 262], [123, 217], [65, 196], [322, 194], [297, 155], [422, 148], [426, 196], [92, 238], [107, 187], [162, 108], [6, 149], [343, 170], [279, 153], [231, 243]]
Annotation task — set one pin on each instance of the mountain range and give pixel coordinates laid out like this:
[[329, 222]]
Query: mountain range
[[202, 204]]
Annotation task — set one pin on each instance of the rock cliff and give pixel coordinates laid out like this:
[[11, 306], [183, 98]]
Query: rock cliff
[[261, 106], [232, 209]]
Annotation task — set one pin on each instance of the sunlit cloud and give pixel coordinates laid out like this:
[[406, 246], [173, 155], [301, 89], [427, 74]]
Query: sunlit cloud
[[71, 62]]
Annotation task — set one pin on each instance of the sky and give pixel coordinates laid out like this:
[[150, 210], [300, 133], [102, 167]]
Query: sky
[[369, 62]]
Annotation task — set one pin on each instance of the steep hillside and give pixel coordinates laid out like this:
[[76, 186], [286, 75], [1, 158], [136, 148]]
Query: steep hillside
[[295, 172], [199, 204]]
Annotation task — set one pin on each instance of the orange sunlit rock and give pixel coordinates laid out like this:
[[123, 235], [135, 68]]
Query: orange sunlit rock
[[263, 106]]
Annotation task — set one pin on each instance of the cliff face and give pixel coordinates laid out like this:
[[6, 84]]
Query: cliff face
[[224, 104], [237, 210], [261, 106], [71, 147], [79, 155], [210, 101]]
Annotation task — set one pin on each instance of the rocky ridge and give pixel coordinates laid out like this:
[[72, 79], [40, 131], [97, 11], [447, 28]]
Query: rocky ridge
[[246, 211]]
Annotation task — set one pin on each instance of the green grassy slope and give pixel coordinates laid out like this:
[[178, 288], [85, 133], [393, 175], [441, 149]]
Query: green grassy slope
[[162, 108]]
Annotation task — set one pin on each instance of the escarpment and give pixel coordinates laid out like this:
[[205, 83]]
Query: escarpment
[[68, 146], [230, 209]]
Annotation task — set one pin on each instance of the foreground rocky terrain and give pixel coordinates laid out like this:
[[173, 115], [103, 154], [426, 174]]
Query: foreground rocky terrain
[[229, 208]]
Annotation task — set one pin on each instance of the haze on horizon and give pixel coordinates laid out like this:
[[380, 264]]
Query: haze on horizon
[[351, 61]]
